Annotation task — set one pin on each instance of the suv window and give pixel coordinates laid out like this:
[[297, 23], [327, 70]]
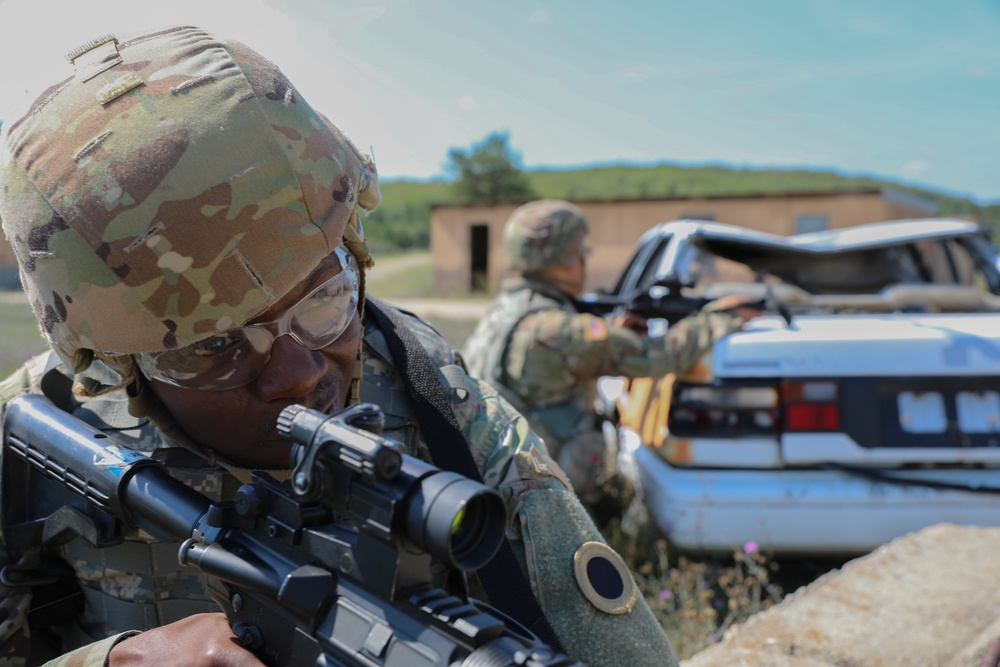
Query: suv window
[[699, 269], [948, 261], [649, 260]]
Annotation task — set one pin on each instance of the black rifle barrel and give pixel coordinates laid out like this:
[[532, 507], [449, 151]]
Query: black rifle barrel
[[120, 481]]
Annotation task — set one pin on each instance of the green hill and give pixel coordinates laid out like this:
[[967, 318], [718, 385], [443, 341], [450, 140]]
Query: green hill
[[403, 220]]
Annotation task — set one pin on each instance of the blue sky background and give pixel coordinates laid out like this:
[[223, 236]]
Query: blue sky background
[[907, 90]]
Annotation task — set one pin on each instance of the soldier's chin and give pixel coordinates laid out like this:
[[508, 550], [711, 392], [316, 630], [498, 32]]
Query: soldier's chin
[[267, 455]]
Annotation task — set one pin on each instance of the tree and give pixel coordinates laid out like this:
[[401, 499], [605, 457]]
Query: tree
[[489, 172]]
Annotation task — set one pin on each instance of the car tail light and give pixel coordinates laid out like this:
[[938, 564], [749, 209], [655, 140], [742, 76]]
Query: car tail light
[[723, 411], [811, 405]]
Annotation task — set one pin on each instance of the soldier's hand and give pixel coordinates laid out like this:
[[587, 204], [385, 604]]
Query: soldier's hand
[[742, 306], [632, 321], [202, 640]]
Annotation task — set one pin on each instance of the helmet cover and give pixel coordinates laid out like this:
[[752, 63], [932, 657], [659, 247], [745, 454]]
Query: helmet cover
[[542, 234], [173, 186]]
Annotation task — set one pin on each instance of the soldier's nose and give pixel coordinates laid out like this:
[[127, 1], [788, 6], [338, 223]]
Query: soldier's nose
[[291, 372]]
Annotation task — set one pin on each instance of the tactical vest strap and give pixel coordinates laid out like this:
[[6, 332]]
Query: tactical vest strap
[[491, 367], [505, 583]]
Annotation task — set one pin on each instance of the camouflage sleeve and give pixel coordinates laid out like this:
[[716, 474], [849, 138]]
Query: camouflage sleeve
[[91, 655], [590, 347], [584, 587]]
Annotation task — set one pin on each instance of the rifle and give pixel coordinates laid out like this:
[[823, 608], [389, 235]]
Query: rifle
[[298, 586], [662, 300]]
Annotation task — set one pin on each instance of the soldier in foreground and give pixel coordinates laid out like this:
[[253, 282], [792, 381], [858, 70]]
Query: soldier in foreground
[[544, 357], [188, 233]]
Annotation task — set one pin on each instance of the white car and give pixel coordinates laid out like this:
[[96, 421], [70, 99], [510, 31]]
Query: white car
[[866, 407]]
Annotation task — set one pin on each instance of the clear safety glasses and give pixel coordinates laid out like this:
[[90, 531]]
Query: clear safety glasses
[[236, 357]]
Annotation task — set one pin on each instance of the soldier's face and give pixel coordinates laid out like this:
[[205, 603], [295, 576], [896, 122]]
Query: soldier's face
[[240, 423]]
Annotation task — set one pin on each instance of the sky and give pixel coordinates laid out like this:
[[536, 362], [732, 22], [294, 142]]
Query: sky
[[906, 90]]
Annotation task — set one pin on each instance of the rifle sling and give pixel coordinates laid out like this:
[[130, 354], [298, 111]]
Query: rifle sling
[[505, 583]]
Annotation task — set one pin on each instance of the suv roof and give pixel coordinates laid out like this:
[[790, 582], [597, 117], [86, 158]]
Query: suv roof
[[861, 259], [736, 242]]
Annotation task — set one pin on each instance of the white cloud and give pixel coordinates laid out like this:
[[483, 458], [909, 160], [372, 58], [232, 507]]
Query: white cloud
[[915, 168], [540, 16], [637, 73], [466, 102], [978, 70], [866, 26]]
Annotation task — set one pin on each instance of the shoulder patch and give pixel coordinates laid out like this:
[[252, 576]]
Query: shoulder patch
[[535, 464], [596, 329], [604, 578]]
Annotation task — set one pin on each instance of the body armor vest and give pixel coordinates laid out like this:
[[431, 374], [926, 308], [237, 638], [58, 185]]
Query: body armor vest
[[562, 418]]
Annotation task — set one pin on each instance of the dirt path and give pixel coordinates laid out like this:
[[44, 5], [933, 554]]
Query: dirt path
[[424, 306], [452, 309], [390, 266]]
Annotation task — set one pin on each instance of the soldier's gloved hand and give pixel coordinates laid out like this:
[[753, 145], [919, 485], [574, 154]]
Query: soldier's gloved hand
[[743, 307], [632, 321], [202, 640]]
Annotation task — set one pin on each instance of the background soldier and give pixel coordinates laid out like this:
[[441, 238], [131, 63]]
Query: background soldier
[[545, 357], [187, 229]]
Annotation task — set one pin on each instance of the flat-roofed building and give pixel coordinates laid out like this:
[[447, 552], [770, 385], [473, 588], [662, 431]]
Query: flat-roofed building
[[467, 240]]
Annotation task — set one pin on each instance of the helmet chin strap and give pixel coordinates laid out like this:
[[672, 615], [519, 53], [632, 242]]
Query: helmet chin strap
[[571, 287], [354, 393], [354, 239], [556, 278]]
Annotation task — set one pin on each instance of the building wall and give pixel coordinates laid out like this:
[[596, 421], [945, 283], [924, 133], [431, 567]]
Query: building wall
[[616, 226]]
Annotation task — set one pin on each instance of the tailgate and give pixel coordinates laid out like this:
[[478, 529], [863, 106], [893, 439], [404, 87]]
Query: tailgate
[[910, 389]]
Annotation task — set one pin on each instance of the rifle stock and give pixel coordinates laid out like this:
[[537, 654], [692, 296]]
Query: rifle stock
[[661, 301], [298, 584], [664, 300]]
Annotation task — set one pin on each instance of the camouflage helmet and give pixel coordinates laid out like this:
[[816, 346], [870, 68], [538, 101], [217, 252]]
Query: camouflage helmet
[[542, 234], [173, 185]]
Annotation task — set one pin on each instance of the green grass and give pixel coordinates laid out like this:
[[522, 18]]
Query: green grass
[[453, 331], [19, 334]]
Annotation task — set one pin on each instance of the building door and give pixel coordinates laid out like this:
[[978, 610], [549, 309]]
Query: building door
[[478, 253]]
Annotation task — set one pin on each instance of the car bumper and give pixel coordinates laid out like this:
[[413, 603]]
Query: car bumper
[[805, 510]]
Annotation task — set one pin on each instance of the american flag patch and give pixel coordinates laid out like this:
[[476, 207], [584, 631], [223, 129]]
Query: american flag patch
[[597, 329]]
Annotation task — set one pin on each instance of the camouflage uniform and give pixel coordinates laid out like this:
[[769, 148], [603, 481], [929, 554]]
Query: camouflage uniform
[[198, 189], [139, 585], [540, 353]]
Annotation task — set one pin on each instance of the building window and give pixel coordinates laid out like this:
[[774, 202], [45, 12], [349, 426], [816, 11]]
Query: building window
[[812, 222]]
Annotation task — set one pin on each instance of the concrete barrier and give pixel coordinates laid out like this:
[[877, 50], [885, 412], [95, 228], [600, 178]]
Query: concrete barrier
[[929, 599]]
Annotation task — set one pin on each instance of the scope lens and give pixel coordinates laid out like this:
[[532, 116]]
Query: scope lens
[[456, 525], [458, 520], [470, 530]]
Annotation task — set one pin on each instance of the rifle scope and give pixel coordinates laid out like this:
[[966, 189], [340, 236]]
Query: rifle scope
[[457, 519]]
